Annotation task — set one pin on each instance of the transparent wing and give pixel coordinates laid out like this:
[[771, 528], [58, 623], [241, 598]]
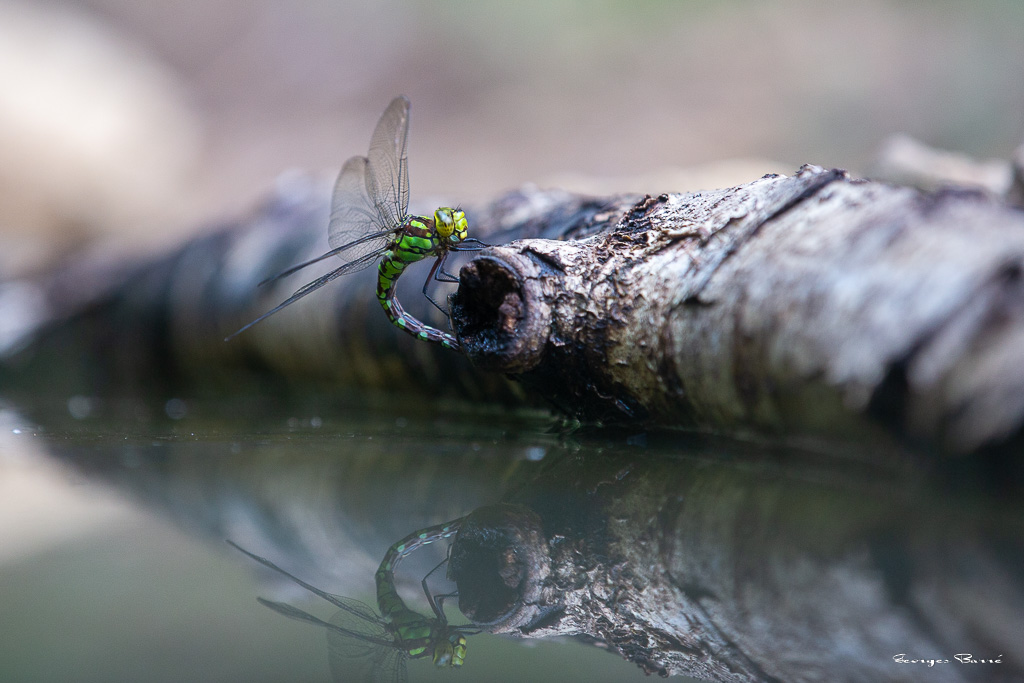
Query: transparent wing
[[387, 173], [356, 227], [342, 642], [379, 664], [363, 637], [354, 607], [349, 621], [362, 611], [390, 668], [373, 240], [361, 263], [353, 656]]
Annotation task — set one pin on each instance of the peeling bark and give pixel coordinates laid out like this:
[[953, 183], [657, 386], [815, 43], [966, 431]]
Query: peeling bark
[[813, 304], [808, 306]]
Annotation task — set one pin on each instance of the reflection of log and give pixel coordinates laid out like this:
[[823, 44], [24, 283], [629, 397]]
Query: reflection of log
[[749, 573], [810, 305], [323, 505]]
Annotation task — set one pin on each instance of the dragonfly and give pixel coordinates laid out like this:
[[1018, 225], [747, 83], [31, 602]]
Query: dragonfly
[[370, 222], [366, 646]]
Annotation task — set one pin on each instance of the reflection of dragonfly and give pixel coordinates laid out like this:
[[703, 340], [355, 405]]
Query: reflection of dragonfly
[[365, 646], [370, 220]]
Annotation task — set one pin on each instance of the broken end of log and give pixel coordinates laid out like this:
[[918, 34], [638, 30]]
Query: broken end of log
[[502, 325], [829, 306]]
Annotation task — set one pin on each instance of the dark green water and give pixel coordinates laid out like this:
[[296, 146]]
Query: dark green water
[[113, 517], [120, 572]]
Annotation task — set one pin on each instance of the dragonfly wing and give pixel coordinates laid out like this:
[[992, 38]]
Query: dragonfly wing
[[353, 656], [359, 609], [361, 263], [287, 610], [377, 666], [400, 674], [365, 636], [353, 660], [390, 668], [361, 646], [355, 607], [356, 227], [387, 177], [348, 246]]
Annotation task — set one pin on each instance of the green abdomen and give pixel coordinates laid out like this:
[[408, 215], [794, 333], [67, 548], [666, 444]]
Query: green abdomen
[[416, 243]]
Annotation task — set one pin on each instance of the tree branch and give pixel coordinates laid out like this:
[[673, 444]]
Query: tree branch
[[812, 304]]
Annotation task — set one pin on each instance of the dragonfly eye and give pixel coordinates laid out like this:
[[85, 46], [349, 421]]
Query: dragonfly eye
[[443, 654], [443, 222], [451, 652], [461, 230], [458, 643]]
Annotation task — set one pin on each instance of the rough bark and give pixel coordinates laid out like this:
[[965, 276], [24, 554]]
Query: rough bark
[[158, 327], [812, 304]]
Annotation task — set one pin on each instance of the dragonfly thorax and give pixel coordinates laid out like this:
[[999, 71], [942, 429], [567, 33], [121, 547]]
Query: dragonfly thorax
[[451, 224]]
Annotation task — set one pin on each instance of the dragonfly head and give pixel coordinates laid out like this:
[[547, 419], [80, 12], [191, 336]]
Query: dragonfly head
[[451, 224], [451, 651]]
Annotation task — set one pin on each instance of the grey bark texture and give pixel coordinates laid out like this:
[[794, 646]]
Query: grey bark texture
[[807, 306], [813, 305]]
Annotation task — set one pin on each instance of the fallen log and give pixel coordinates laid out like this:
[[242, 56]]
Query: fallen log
[[807, 306], [814, 304]]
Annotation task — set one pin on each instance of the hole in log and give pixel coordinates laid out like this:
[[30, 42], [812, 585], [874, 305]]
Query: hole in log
[[495, 564], [494, 316]]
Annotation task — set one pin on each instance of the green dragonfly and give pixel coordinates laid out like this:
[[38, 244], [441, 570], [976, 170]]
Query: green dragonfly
[[365, 646], [370, 221]]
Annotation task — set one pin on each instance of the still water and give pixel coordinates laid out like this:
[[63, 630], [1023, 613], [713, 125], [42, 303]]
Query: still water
[[114, 566]]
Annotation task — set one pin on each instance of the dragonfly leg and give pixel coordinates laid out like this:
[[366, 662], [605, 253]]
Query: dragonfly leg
[[478, 245], [461, 249], [438, 264], [438, 273], [437, 605], [439, 599], [443, 275], [448, 300]]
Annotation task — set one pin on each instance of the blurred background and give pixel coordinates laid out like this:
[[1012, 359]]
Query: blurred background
[[138, 122], [128, 125]]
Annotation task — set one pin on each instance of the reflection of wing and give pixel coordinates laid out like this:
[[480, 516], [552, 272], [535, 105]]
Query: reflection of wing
[[358, 609], [354, 219], [364, 637], [354, 607], [387, 178], [353, 661], [366, 654]]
